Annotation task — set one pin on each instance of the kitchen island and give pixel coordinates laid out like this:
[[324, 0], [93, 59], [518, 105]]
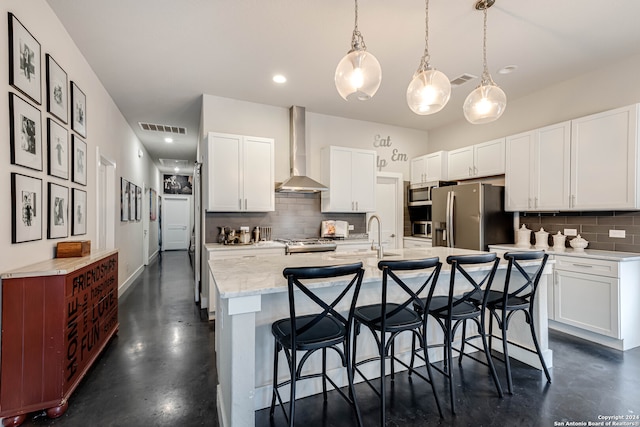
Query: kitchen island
[[253, 293]]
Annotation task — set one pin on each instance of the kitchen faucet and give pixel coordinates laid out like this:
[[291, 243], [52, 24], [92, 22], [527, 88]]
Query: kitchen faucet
[[379, 247]]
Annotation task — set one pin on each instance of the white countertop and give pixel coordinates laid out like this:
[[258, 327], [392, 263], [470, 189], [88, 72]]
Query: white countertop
[[57, 266], [236, 277], [259, 245], [585, 253]]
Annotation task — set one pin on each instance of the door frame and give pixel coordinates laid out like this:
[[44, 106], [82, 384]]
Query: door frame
[[399, 226], [108, 217]]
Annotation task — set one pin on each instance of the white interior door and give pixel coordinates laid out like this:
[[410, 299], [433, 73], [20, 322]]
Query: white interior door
[[105, 205], [175, 223], [389, 202], [145, 224]]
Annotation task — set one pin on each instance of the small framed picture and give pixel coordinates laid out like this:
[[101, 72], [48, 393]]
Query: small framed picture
[[79, 160], [24, 57], [124, 199], [26, 208], [132, 201], [138, 203], [26, 133], [79, 212], [58, 199], [78, 110], [153, 205], [57, 92], [57, 149]]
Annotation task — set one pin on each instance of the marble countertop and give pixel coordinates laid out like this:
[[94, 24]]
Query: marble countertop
[[585, 253], [56, 266], [236, 277], [259, 245]]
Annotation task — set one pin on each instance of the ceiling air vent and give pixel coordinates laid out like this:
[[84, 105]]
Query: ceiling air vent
[[153, 127], [462, 79]]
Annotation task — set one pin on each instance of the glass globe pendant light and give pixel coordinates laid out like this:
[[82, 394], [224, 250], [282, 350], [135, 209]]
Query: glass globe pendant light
[[358, 74], [487, 102], [430, 89]]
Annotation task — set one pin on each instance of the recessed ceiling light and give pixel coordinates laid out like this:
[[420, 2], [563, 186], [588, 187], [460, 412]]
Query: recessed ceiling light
[[169, 140], [508, 69], [279, 78], [177, 169]]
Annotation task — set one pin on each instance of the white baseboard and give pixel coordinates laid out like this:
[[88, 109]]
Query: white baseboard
[[127, 283]]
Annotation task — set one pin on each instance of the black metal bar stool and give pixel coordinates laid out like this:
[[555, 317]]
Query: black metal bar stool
[[327, 329], [457, 307], [517, 295], [394, 318]]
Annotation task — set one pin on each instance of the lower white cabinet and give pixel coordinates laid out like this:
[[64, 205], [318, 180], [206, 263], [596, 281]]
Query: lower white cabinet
[[598, 300]]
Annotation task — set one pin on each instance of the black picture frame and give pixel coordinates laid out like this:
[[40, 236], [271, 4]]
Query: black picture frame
[[26, 208], [25, 68], [138, 203], [78, 110], [79, 212], [124, 200], [79, 161], [25, 130], [58, 208], [57, 149], [57, 90], [177, 184], [132, 201]]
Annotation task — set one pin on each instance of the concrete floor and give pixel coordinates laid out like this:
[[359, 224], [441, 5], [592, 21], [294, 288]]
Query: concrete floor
[[160, 371]]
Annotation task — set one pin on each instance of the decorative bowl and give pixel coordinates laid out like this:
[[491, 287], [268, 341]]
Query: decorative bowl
[[578, 243]]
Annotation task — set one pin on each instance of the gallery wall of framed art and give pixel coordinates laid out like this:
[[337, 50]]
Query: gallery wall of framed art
[[60, 203]]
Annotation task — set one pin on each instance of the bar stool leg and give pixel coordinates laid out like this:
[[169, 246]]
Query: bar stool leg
[[275, 379], [292, 401], [464, 341], [535, 342], [324, 373], [382, 381], [492, 368], [505, 352]]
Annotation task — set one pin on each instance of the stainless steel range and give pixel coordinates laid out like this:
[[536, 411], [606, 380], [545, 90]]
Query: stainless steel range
[[314, 244]]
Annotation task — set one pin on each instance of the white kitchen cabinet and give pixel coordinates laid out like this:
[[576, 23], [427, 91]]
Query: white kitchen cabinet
[[597, 300], [351, 176], [475, 161], [429, 167], [604, 160], [240, 173], [537, 169]]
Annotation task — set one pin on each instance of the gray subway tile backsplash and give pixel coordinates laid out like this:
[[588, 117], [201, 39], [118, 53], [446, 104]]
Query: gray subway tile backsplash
[[592, 226]]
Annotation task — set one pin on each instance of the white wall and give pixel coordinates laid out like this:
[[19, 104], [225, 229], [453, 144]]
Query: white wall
[[246, 118], [610, 86], [106, 129]]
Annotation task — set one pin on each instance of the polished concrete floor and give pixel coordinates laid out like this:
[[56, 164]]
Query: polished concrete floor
[[160, 371]]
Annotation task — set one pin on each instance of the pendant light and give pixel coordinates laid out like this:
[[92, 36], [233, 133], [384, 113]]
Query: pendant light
[[358, 74], [430, 89], [487, 102]]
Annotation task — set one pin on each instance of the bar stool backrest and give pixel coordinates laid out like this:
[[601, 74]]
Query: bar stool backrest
[[411, 293], [295, 275], [481, 286], [531, 280]]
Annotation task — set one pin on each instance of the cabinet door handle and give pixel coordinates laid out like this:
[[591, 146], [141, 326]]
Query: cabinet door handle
[[245, 204], [573, 200], [475, 170], [582, 265], [470, 173], [529, 202], [356, 206], [240, 204], [535, 202]]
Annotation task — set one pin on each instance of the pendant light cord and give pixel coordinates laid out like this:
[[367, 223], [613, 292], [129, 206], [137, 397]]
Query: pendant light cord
[[424, 62], [357, 41], [486, 77]]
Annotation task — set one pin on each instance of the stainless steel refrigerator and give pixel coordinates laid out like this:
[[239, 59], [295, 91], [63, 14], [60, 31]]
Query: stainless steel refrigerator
[[470, 216]]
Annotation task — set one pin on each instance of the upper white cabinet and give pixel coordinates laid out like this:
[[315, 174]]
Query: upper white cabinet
[[537, 169], [351, 176], [430, 167], [587, 164], [485, 159], [240, 173], [604, 160]]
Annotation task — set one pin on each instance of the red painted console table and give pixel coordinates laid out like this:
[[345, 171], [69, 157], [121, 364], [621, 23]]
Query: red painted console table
[[57, 317]]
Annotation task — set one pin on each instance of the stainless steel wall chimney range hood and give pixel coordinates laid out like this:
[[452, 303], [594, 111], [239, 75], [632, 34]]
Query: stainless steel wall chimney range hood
[[298, 182]]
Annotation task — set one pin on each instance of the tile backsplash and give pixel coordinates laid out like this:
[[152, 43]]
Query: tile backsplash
[[592, 226], [296, 216]]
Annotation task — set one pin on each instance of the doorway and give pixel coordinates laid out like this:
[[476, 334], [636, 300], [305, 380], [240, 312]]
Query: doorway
[[389, 208], [105, 204], [176, 233]]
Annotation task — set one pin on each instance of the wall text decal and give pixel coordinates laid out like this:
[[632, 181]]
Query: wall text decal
[[396, 155]]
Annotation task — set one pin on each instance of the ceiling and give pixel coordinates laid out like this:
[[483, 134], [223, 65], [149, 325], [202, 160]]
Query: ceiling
[[157, 57]]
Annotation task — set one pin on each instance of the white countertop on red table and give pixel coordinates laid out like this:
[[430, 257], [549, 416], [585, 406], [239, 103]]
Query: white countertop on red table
[[57, 266], [586, 253]]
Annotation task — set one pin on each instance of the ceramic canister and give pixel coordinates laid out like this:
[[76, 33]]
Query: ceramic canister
[[559, 241], [542, 238], [523, 236]]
